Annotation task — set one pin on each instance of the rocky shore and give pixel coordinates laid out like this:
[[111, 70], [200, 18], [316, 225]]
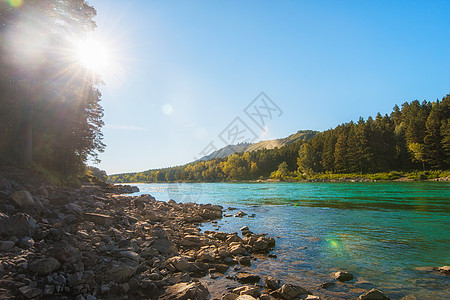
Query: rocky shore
[[95, 243]]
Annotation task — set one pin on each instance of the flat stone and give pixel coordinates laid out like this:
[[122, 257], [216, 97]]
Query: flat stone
[[99, 219], [247, 278]]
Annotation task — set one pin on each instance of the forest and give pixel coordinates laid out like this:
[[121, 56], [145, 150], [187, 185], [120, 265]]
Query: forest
[[415, 136], [50, 117]]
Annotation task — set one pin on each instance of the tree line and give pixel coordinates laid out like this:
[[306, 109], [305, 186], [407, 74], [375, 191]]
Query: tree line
[[50, 113], [413, 136]]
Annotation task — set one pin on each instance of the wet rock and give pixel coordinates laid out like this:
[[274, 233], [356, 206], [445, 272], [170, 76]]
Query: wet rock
[[444, 270], [266, 297], [272, 283], [373, 294], [179, 263], [206, 255], [99, 219], [253, 291], [45, 265], [247, 278], [326, 285], [192, 241], [185, 291], [244, 228], [6, 246], [312, 297], [244, 261], [343, 276], [23, 198], [290, 292], [237, 249], [240, 214]]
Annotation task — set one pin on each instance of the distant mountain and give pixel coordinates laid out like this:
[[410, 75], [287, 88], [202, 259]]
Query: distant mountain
[[228, 150]]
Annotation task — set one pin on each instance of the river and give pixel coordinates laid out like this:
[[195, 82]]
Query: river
[[385, 233]]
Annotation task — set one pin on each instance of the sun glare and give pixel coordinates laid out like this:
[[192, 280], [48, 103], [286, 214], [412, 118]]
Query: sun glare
[[93, 55]]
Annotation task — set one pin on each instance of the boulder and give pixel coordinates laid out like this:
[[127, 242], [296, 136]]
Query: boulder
[[247, 278], [45, 265], [164, 246], [65, 252], [343, 276], [23, 198], [290, 292], [245, 261], [185, 291], [179, 263], [191, 241], [272, 283], [19, 225], [29, 293], [253, 291], [373, 294], [6, 246]]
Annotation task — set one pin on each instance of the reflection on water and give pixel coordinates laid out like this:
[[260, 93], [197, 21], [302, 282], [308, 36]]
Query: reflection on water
[[381, 232]]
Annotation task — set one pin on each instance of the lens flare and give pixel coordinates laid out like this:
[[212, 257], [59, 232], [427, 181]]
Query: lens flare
[[15, 3]]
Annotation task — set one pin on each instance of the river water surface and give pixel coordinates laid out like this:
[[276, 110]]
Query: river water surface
[[386, 234]]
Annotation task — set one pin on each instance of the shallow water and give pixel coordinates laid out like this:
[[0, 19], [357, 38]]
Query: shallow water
[[380, 232]]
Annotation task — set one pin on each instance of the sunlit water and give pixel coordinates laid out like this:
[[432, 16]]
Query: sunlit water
[[380, 232]]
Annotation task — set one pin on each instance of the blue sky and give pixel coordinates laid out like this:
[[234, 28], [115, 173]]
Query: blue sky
[[186, 69]]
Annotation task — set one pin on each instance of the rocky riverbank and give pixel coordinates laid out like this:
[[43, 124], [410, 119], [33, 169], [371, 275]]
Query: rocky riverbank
[[94, 243]]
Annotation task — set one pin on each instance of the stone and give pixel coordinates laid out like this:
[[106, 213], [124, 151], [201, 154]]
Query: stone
[[373, 294], [272, 283], [25, 242], [312, 297], [290, 292], [245, 297], [77, 209], [191, 241], [247, 278], [343, 276], [99, 219], [45, 265], [266, 297], [179, 263], [20, 225], [65, 252], [326, 285], [238, 249], [185, 291], [120, 272], [23, 199], [30, 292], [164, 246], [244, 228], [261, 244], [49, 290], [6, 246], [240, 214], [253, 291], [229, 296], [131, 255], [245, 261], [206, 255]]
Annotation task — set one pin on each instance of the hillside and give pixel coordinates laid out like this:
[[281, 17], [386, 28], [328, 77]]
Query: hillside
[[228, 150]]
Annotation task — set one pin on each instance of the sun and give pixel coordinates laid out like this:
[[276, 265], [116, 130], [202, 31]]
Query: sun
[[93, 55]]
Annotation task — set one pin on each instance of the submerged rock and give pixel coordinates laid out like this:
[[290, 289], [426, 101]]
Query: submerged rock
[[343, 276]]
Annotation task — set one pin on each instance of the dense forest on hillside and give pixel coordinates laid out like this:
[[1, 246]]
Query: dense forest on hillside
[[50, 116], [415, 136]]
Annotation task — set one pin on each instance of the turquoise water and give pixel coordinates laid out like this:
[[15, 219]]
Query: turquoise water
[[383, 233]]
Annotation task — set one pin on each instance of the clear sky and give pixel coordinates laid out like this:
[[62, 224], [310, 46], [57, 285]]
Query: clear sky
[[184, 70]]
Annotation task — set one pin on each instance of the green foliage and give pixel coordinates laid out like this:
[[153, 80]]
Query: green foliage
[[50, 114]]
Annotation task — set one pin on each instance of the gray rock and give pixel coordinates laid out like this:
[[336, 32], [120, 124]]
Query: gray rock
[[120, 272], [163, 245], [45, 265], [240, 214], [253, 291], [272, 283], [192, 241], [237, 249], [266, 297], [245, 297], [244, 228], [6, 246], [290, 292], [19, 225], [373, 294], [245, 261], [343, 276], [185, 291], [25, 242], [23, 199], [30, 292]]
